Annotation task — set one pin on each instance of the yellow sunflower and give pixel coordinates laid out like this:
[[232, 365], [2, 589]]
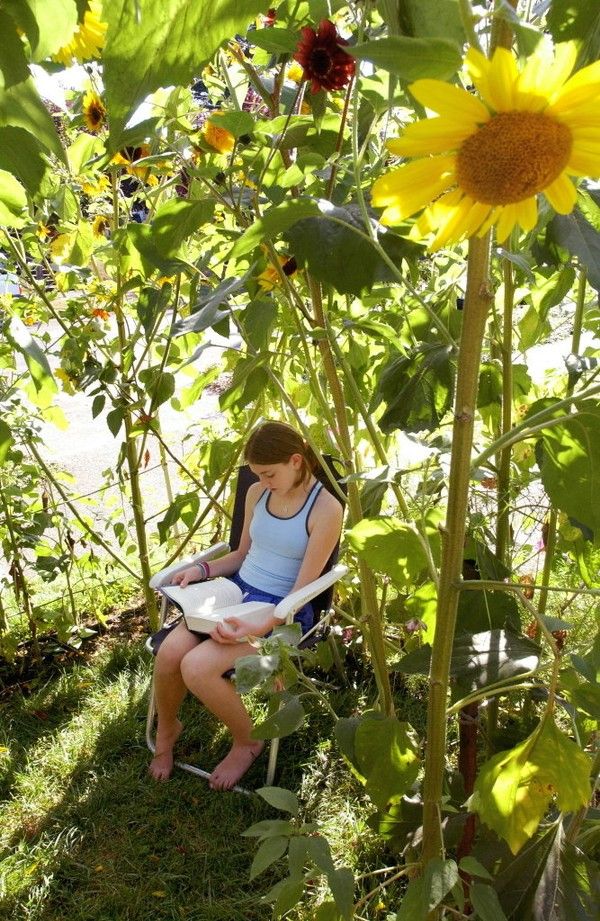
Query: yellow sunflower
[[484, 160], [94, 111], [216, 137], [100, 226], [88, 39]]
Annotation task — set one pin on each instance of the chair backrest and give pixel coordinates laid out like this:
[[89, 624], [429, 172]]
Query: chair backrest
[[246, 478]]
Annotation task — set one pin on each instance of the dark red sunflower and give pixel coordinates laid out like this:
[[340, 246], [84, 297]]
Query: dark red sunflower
[[325, 63]]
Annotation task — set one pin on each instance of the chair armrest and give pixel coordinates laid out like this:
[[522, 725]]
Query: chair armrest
[[292, 603], [164, 576]]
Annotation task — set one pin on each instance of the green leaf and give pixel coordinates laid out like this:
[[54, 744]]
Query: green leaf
[[412, 58], [177, 220], [486, 903], [570, 465], [237, 123], [21, 155], [516, 878], [513, 789], [273, 223], [487, 610], [142, 238], [13, 64], [337, 250], [474, 868], [578, 237], [250, 671], [280, 798], [439, 878], [411, 908], [569, 889], [6, 440], [163, 43], [289, 894], [183, 508], [268, 852], [274, 40], [206, 310], [386, 755], [48, 26], [418, 389], [114, 420], [434, 19], [282, 723], [37, 363], [84, 148], [13, 201], [389, 545], [341, 883], [569, 20], [98, 404], [269, 828], [160, 385], [21, 107]]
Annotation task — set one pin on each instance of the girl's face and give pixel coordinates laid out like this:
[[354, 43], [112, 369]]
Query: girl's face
[[279, 478]]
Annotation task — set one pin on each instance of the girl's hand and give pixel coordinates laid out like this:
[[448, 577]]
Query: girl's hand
[[191, 574], [237, 629]]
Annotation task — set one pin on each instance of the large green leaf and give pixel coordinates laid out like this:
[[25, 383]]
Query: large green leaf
[[412, 58], [48, 26], [579, 21], [569, 889], [570, 465], [6, 440], [487, 610], [417, 389], [21, 107], [514, 788], [273, 223], [336, 250], [176, 220], [283, 722], [37, 363], [20, 154], [389, 545], [161, 43], [387, 756], [13, 201], [479, 659]]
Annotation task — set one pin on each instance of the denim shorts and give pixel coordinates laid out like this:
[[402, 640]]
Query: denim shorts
[[305, 616]]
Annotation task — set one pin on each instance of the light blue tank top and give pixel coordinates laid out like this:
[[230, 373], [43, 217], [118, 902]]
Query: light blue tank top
[[278, 546]]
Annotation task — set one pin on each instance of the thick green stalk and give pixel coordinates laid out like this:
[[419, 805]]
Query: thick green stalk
[[137, 504], [504, 456], [476, 309]]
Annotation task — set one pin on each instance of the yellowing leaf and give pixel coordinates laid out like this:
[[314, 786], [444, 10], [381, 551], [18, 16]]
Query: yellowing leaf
[[159, 894], [514, 788]]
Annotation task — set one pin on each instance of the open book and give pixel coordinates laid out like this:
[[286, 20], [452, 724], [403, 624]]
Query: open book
[[205, 604]]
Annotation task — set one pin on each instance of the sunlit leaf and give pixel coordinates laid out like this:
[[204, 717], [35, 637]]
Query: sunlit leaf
[[514, 788], [412, 58], [37, 363], [386, 755], [21, 155], [6, 440], [13, 64], [389, 545], [21, 107], [13, 201], [48, 26]]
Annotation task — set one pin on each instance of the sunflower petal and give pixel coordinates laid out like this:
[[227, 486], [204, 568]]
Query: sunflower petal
[[584, 162], [527, 213], [450, 101], [408, 189], [584, 86], [507, 219], [502, 79], [561, 194], [463, 220], [431, 136]]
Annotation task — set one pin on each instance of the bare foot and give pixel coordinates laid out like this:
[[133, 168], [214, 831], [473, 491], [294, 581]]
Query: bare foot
[[161, 765], [234, 765]]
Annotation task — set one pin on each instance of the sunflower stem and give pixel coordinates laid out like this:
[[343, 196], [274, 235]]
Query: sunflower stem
[[476, 309]]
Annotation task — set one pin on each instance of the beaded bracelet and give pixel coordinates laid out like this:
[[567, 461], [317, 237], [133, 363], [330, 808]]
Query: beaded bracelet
[[205, 569]]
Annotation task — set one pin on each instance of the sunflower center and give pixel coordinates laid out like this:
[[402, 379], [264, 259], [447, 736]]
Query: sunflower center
[[320, 61], [512, 157]]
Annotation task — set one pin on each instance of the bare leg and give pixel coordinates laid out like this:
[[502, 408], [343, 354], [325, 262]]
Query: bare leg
[[202, 671], [169, 691]]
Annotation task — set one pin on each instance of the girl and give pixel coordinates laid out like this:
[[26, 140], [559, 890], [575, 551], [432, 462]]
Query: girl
[[291, 526]]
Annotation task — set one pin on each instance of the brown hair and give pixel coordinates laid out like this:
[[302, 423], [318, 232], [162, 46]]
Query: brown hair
[[275, 442]]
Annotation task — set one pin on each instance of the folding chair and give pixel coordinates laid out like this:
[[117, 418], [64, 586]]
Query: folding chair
[[319, 592]]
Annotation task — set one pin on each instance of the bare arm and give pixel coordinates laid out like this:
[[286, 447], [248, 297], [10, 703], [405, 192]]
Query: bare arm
[[231, 562]]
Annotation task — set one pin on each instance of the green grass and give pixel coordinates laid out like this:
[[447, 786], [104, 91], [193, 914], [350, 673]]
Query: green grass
[[87, 836]]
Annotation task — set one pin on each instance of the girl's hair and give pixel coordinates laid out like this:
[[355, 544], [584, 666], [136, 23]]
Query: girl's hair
[[275, 442]]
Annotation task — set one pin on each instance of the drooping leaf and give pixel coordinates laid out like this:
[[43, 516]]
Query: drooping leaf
[[336, 249], [268, 852], [21, 155], [411, 907], [20, 337], [13, 63], [21, 107], [412, 58], [569, 888], [282, 723], [13, 201], [162, 43], [389, 545], [570, 465], [206, 311], [417, 389], [160, 385], [250, 671], [48, 26], [575, 233], [386, 755], [513, 789]]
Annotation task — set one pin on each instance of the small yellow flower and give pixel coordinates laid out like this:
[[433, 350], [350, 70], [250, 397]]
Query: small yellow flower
[[270, 277], [94, 111], [485, 160], [100, 225], [216, 137], [42, 232], [165, 280], [88, 39], [66, 380], [94, 186], [295, 72]]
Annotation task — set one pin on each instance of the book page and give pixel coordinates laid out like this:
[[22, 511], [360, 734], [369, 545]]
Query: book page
[[253, 614], [204, 597]]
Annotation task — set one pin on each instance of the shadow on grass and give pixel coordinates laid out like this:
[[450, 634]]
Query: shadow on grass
[[114, 845]]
